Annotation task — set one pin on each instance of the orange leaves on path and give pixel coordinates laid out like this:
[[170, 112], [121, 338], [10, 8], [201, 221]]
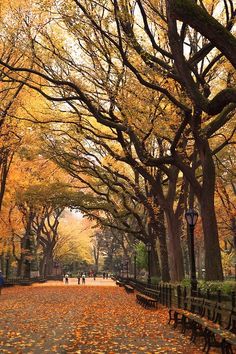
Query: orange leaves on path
[[83, 319]]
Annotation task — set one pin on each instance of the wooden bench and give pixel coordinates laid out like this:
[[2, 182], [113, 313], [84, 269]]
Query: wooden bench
[[191, 305], [218, 336], [204, 318], [129, 288], [12, 282], [148, 298], [120, 283], [25, 282]]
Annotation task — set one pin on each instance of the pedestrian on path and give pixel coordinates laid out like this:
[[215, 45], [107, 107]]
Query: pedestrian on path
[[83, 278], [1, 282], [66, 278], [94, 276], [78, 277]]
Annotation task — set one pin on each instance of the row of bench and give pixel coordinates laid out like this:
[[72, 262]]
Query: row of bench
[[212, 320], [23, 281], [147, 298], [205, 318]]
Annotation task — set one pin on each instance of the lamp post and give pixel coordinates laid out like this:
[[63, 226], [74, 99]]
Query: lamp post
[[135, 269], [127, 269], [149, 248], [118, 269], [7, 265], [191, 217]]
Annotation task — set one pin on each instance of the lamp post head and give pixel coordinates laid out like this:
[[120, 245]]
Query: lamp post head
[[191, 217]]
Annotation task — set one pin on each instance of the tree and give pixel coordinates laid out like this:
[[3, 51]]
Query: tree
[[182, 80]]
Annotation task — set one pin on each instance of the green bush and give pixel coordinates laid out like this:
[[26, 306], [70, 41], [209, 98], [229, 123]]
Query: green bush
[[226, 287], [155, 280]]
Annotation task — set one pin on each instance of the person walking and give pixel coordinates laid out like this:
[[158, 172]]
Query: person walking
[[94, 276], [78, 277], [1, 282], [66, 278], [83, 278]]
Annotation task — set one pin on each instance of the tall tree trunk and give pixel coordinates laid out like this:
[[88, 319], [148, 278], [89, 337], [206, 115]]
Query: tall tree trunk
[[49, 261], [19, 271], [153, 234], [174, 246], [155, 264], [161, 230], [26, 247], [213, 263]]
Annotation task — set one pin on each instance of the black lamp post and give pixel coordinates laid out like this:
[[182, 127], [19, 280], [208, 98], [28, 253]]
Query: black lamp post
[[7, 265], [149, 248], [119, 269], [191, 217], [127, 269], [135, 269]]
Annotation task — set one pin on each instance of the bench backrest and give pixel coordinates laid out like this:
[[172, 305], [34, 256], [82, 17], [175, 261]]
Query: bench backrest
[[232, 321], [152, 293], [208, 309], [196, 305], [218, 313]]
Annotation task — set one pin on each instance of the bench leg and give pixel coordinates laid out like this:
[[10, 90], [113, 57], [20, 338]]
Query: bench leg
[[177, 320], [226, 348], [193, 333], [183, 324], [211, 341], [170, 317], [205, 339]]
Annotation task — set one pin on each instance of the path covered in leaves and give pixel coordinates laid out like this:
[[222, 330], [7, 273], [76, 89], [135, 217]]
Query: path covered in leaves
[[83, 319]]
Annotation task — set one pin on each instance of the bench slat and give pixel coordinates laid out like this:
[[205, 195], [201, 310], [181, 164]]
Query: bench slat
[[205, 319]]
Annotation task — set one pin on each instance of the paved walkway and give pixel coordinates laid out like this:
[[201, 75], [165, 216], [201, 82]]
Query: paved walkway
[[88, 282], [59, 318]]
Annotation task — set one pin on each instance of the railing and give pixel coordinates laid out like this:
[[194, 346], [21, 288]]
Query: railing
[[171, 295]]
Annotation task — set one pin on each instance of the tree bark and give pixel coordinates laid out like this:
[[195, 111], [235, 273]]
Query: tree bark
[[155, 264], [194, 15], [174, 246], [213, 263], [164, 257]]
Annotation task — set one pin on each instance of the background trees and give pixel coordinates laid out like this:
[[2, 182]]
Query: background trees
[[142, 101]]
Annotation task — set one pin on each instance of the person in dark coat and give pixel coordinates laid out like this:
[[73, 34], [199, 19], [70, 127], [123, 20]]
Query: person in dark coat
[[83, 278], [1, 282]]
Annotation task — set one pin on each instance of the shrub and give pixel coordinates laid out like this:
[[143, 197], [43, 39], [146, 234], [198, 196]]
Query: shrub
[[225, 286]]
